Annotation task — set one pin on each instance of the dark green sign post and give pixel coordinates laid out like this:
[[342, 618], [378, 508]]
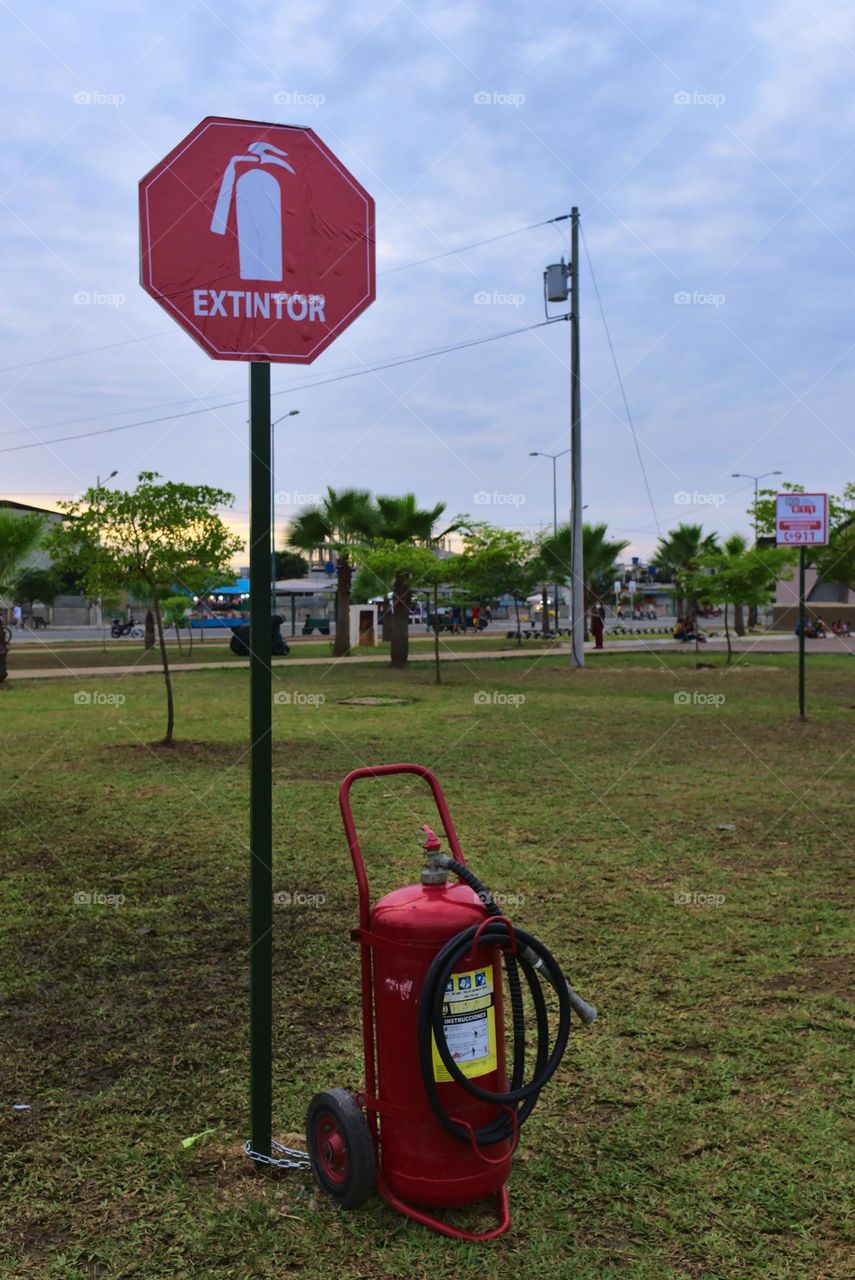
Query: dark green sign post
[[261, 763], [801, 633], [801, 520], [256, 239]]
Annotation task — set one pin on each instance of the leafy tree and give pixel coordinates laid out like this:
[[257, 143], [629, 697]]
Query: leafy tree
[[175, 615], [500, 562], [157, 534], [599, 560], [42, 585], [290, 564], [836, 562], [421, 567], [345, 517], [400, 522], [741, 575], [679, 555], [20, 536]]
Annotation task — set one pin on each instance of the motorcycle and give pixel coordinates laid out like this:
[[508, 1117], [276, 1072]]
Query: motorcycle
[[118, 628]]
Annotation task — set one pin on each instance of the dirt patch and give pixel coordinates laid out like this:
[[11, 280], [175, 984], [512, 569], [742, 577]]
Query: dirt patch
[[826, 975]]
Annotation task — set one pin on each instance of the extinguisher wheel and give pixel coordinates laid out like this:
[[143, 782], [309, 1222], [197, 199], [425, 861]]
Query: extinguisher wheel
[[340, 1147]]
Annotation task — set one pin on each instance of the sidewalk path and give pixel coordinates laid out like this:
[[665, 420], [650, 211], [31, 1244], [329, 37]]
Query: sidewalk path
[[768, 644]]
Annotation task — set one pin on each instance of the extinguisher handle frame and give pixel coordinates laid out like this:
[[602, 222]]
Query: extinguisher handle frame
[[384, 771]]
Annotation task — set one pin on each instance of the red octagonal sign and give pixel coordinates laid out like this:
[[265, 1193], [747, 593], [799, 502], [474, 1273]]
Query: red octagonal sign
[[257, 240]]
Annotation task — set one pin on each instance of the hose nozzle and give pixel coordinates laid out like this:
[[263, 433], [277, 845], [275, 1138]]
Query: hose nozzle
[[580, 1007]]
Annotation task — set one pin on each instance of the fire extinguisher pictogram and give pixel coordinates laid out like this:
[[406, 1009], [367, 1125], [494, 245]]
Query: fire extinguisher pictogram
[[259, 211]]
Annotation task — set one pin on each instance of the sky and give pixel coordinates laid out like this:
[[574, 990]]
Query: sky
[[709, 148]]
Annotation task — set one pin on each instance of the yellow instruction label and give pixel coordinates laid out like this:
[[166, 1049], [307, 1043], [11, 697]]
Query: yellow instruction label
[[469, 1023]]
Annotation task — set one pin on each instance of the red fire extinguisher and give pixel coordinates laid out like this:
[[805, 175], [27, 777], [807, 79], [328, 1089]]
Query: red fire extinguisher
[[443, 1115]]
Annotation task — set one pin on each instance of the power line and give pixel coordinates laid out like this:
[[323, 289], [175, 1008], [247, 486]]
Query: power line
[[476, 244], [377, 368], [620, 382], [87, 351]]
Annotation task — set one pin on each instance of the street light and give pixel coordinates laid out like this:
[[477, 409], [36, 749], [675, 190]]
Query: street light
[[741, 475], [292, 413], [537, 453]]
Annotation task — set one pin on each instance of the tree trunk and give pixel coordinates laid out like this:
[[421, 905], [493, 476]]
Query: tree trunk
[[148, 639], [738, 620], [517, 612], [400, 636], [178, 636], [436, 633], [170, 706], [341, 645], [4, 648], [727, 636], [544, 599]]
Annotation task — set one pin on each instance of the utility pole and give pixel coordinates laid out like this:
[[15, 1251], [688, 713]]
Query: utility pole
[[577, 568]]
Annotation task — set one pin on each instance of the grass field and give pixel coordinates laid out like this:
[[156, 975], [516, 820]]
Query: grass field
[[688, 860]]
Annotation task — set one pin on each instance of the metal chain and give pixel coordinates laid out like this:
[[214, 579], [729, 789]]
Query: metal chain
[[288, 1159]]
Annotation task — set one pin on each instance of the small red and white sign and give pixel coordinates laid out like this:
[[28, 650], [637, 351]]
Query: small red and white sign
[[257, 240], [801, 519]]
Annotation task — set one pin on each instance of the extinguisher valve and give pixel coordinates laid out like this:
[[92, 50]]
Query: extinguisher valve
[[434, 870]]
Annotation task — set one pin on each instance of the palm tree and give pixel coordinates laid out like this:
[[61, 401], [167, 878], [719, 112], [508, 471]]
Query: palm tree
[[344, 517], [401, 520], [599, 559], [19, 538], [680, 553]]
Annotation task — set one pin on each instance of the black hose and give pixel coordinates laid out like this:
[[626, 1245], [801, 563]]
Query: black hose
[[533, 958]]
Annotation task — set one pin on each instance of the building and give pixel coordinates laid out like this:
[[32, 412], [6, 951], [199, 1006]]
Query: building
[[66, 610], [823, 599]]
